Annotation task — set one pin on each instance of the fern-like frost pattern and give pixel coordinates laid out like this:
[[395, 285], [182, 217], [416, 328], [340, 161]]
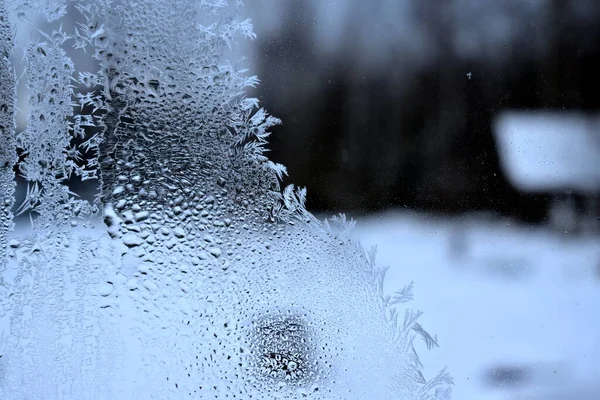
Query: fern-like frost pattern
[[206, 279], [7, 138]]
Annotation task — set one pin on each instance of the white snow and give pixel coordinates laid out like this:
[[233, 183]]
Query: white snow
[[497, 295]]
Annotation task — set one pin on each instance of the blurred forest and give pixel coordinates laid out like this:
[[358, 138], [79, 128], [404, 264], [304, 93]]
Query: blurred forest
[[390, 104]]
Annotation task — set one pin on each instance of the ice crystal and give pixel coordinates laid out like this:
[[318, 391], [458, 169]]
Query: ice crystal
[[7, 141], [208, 280], [51, 158]]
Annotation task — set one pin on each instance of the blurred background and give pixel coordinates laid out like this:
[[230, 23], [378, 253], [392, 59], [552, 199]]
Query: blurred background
[[390, 103], [464, 135]]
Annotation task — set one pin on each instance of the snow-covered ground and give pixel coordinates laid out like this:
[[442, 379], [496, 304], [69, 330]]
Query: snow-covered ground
[[516, 309]]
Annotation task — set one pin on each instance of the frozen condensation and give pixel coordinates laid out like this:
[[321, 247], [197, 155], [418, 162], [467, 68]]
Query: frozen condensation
[[207, 281], [50, 157], [7, 143]]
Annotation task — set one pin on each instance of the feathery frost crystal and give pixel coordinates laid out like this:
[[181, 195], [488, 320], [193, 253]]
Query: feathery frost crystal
[[203, 279]]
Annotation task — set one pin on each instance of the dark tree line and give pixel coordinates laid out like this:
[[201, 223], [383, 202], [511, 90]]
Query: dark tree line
[[420, 138]]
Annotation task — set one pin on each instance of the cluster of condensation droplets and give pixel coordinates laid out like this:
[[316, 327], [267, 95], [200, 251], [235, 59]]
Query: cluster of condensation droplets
[[206, 280]]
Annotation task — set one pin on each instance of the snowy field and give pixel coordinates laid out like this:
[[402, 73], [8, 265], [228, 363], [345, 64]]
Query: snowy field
[[515, 308]]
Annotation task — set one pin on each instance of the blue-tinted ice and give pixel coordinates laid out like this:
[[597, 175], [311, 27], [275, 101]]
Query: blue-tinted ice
[[202, 278]]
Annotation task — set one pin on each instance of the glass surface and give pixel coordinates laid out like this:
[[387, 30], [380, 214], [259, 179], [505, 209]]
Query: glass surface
[[164, 236]]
